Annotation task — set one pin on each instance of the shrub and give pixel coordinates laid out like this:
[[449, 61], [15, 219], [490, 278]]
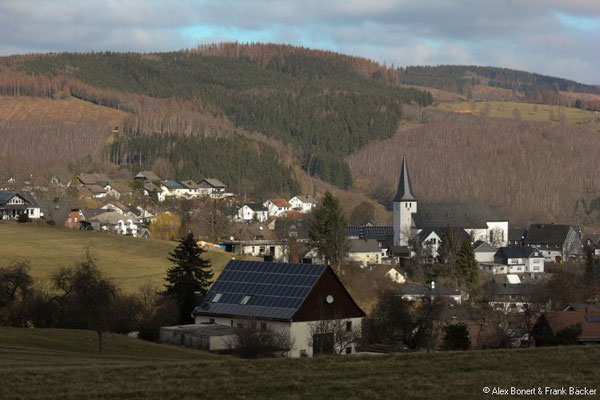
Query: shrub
[[23, 218]]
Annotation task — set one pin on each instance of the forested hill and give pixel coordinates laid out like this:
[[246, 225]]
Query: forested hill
[[323, 105], [462, 78]]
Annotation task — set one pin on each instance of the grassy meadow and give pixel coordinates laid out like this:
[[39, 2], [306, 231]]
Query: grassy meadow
[[62, 364], [130, 262], [527, 112]]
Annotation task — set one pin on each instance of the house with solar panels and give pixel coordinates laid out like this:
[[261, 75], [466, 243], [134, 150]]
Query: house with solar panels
[[288, 298]]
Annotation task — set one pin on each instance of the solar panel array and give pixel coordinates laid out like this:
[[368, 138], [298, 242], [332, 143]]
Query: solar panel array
[[379, 233], [277, 290], [592, 318]]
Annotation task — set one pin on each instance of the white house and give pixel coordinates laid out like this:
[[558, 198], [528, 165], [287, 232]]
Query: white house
[[556, 242], [365, 252], [303, 203], [191, 189], [256, 248], [306, 303], [424, 291], [484, 252], [213, 188], [516, 260], [253, 212], [277, 207], [389, 272], [13, 204]]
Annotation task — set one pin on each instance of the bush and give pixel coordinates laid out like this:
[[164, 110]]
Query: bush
[[260, 343], [23, 218], [457, 337]]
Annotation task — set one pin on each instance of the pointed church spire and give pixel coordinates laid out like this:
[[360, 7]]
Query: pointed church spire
[[404, 191]]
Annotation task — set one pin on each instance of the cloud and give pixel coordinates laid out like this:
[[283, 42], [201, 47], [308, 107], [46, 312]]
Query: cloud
[[548, 36]]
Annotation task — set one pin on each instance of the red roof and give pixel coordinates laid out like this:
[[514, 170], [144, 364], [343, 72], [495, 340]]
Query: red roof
[[281, 202], [589, 321]]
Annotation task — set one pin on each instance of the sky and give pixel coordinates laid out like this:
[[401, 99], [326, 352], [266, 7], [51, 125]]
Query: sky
[[553, 37]]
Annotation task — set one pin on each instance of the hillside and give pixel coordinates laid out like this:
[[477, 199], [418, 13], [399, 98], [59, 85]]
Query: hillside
[[471, 81], [531, 171], [131, 262], [319, 105], [31, 359]]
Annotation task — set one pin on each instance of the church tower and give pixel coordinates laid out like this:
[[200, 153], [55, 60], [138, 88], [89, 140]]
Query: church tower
[[405, 205]]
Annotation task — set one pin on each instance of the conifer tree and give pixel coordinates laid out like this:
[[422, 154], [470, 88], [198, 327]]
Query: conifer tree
[[189, 274], [466, 270], [327, 230]]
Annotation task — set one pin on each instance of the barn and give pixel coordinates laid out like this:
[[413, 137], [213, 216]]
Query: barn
[[307, 302]]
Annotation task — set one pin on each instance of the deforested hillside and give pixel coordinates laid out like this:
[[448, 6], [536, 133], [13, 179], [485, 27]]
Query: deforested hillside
[[529, 170], [319, 103]]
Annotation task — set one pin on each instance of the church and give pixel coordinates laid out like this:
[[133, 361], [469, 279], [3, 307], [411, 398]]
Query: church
[[425, 223]]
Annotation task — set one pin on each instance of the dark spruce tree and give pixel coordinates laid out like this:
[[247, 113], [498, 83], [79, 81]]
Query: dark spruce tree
[[189, 274]]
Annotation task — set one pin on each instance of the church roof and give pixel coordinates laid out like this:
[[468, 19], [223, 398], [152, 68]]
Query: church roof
[[404, 192], [467, 216]]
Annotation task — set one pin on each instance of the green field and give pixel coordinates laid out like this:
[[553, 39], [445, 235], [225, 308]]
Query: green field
[[528, 112], [62, 364], [130, 262]]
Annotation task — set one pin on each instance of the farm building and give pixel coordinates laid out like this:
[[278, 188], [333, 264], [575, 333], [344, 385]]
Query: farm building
[[306, 302]]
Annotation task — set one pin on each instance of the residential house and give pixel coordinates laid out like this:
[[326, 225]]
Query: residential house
[[93, 179], [424, 291], [191, 189], [364, 252], [482, 331], [516, 260], [289, 229], [74, 219], [277, 207], [508, 293], [173, 189], [389, 272], [484, 252], [556, 242], [149, 176], [253, 212], [95, 191], [516, 237], [588, 319], [272, 249], [299, 301], [213, 188], [114, 222], [303, 203], [13, 204]]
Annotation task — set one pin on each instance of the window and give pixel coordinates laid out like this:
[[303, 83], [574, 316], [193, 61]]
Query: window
[[348, 350], [263, 326], [348, 326], [303, 353], [246, 299], [211, 320], [217, 297]]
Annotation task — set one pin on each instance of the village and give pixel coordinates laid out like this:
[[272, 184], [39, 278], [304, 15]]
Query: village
[[291, 287]]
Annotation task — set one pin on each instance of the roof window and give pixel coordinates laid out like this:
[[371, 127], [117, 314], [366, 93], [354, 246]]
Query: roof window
[[217, 297], [246, 299]]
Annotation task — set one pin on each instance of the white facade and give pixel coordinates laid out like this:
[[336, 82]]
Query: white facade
[[300, 333], [18, 205], [275, 210], [246, 213], [301, 205], [365, 258], [403, 212]]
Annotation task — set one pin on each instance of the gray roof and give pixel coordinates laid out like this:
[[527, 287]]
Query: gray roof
[[424, 289], [149, 175], [276, 290], [516, 234], [518, 252], [202, 330], [453, 312], [256, 207], [172, 185], [25, 195], [455, 215], [404, 192], [494, 291], [55, 211], [190, 184], [440, 232], [285, 228], [483, 247], [215, 183], [364, 246], [547, 234]]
